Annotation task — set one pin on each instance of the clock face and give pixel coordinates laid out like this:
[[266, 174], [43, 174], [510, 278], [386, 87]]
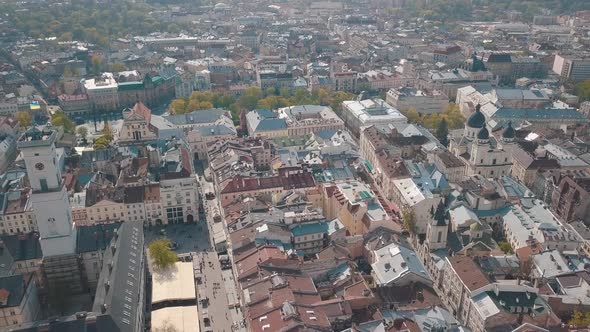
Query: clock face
[[39, 166]]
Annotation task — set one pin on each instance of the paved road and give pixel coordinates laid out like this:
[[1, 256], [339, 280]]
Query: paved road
[[213, 304], [216, 289], [188, 238]]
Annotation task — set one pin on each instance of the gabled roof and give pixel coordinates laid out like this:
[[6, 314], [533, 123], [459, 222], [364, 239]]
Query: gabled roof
[[123, 273], [140, 111], [468, 272]]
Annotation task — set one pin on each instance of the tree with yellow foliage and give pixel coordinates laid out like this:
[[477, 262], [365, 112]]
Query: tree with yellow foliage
[[178, 106], [24, 119], [413, 116]]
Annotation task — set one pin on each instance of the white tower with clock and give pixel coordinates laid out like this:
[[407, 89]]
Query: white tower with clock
[[49, 197]]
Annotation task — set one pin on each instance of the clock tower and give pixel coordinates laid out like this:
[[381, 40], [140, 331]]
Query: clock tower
[[48, 194]]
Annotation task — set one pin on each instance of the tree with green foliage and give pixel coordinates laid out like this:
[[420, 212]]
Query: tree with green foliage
[[249, 99], [195, 105], [506, 247], [253, 98], [442, 133], [337, 98], [409, 220], [24, 118], [117, 67], [451, 115], [101, 143], [67, 72], [161, 253], [178, 106], [96, 64], [89, 21], [107, 131], [273, 102], [580, 319], [82, 132], [413, 116], [582, 90], [60, 119]]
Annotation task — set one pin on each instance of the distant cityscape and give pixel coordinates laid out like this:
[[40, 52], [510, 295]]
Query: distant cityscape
[[354, 166]]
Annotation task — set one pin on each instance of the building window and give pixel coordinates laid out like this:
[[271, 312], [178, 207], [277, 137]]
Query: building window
[[494, 162], [43, 184]]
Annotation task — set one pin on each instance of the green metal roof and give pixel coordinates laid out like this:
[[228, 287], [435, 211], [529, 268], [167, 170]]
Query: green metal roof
[[126, 86], [157, 80], [534, 114], [312, 228]]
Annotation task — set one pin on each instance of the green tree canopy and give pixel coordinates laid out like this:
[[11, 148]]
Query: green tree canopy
[[60, 119], [506, 247], [161, 253], [582, 90], [82, 131], [101, 143], [249, 100], [409, 220], [253, 98], [89, 21], [107, 131], [579, 319], [442, 132]]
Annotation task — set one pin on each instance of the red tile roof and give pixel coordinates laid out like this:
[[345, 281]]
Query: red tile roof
[[142, 110], [250, 262], [468, 272], [238, 183]]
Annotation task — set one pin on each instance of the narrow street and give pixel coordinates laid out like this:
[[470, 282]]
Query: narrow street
[[218, 297]]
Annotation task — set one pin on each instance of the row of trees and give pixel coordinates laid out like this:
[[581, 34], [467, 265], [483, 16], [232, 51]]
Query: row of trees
[[451, 115], [255, 98], [464, 10], [88, 20], [450, 118]]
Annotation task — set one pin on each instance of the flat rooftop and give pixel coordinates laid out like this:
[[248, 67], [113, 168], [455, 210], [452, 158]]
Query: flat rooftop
[[373, 109], [174, 283], [185, 319]]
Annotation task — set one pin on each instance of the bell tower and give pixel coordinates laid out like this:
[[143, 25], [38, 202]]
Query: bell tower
[[436, 234], [48, 194]]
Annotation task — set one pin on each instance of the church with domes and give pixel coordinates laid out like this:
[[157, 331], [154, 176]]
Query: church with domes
[[484, 153]]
